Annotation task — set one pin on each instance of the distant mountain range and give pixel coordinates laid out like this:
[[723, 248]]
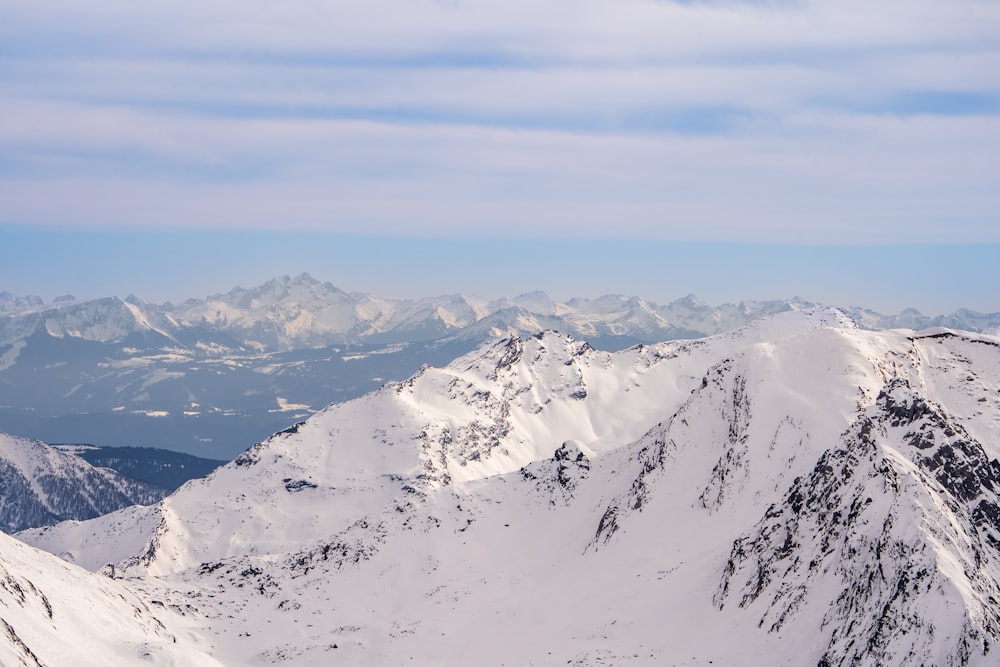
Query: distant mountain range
[[287, 314], [206, 376], [796, 491]]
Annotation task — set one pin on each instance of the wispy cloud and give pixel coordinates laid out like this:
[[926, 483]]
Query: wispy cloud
[[777, 121]]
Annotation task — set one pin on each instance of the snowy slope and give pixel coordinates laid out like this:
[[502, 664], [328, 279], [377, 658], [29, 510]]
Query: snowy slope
[[41, 485], [795, 492], [53, 613]]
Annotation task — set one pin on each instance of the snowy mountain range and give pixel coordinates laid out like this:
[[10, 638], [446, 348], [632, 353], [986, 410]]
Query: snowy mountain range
[[294, 313], [209, 375], [795, 491]]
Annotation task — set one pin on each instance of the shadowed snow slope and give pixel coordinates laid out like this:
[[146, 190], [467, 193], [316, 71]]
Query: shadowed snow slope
[[797, 491]]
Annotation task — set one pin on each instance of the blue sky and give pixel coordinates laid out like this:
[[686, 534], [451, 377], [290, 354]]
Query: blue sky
[[174, 265], [734, 149]]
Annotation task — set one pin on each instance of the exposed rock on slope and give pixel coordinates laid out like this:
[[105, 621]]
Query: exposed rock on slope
[[894, 533]]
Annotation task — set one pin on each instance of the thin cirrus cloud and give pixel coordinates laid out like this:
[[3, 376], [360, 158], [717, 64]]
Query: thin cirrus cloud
[[740, 121]]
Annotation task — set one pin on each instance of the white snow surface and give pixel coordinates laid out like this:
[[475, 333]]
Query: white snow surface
[[100, 541], [53, 613], [795, 492]]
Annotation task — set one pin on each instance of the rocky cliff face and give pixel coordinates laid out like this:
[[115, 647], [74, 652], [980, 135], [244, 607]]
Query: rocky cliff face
[[892, 535]]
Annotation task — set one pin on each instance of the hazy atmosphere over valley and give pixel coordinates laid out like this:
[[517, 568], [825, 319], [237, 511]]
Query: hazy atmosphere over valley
[[466, 332]]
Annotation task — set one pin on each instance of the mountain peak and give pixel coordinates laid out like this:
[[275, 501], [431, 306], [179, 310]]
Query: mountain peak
[[691, 300], [304, 279]]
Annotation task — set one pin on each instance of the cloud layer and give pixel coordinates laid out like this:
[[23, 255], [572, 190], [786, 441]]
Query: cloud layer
[[814, 122]]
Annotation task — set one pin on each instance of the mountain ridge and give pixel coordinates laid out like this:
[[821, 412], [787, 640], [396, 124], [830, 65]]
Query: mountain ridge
[[796, 490]]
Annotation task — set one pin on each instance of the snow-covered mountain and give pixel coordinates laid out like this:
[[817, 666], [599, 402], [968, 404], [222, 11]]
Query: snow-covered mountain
[[42, 485], [13, 303], [208, 375], [101, 320], [53, 613], [293, 313], [796, 491]]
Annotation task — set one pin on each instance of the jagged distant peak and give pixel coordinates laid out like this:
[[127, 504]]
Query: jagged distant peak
[[305, 279], [105, 319], [534, 299], [608, 300], [533, 295], [13, 303], [691, 300], [279, 286]]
